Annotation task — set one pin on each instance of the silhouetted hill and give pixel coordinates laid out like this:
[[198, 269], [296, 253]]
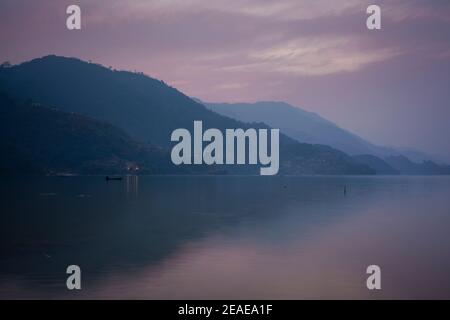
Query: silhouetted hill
[[148, 110], [307, 127], [406, 166], [144, 107], [299, 124], [379, 165], [38, 139]]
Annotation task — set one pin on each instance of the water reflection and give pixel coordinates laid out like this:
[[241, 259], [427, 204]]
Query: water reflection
[[132, 185], [225, 237]]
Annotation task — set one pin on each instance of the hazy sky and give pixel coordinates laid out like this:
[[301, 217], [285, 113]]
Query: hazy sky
[[390, 86]]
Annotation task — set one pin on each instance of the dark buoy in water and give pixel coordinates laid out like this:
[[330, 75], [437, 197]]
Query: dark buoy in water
[[345, 190]]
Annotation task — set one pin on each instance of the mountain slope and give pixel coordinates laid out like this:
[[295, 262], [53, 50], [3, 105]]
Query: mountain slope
[[299, 124], [148, 110], [406, 166], [379, 165], [145, 108], [38, 139], [308, 127]]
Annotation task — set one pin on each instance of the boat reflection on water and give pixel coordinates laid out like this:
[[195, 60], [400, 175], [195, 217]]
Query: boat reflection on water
[[132, 185]]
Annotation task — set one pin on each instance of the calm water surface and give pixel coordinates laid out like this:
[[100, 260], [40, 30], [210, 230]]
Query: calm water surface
[[225, 237]]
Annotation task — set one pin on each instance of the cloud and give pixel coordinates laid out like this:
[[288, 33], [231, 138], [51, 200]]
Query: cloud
[[278, 10], [301, 37], [321, 56], [401, 10], [231, 86], [306, 57]]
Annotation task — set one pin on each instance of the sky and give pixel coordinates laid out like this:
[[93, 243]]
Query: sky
[[390, 86]]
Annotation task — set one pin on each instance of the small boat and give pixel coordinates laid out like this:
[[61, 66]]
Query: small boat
[[107, 178], [65, 175]]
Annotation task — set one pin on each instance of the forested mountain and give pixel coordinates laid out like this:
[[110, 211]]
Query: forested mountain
[[148, 110], [36, 139]]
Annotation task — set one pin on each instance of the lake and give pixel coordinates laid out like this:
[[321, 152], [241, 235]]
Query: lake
[[225, 237]]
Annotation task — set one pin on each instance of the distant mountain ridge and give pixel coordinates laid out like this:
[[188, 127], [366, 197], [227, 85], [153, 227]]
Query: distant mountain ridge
[[308, 127], [148, 110], [405, 166]]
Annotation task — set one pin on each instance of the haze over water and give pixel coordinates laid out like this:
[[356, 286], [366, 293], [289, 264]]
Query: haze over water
[[225, 237]]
